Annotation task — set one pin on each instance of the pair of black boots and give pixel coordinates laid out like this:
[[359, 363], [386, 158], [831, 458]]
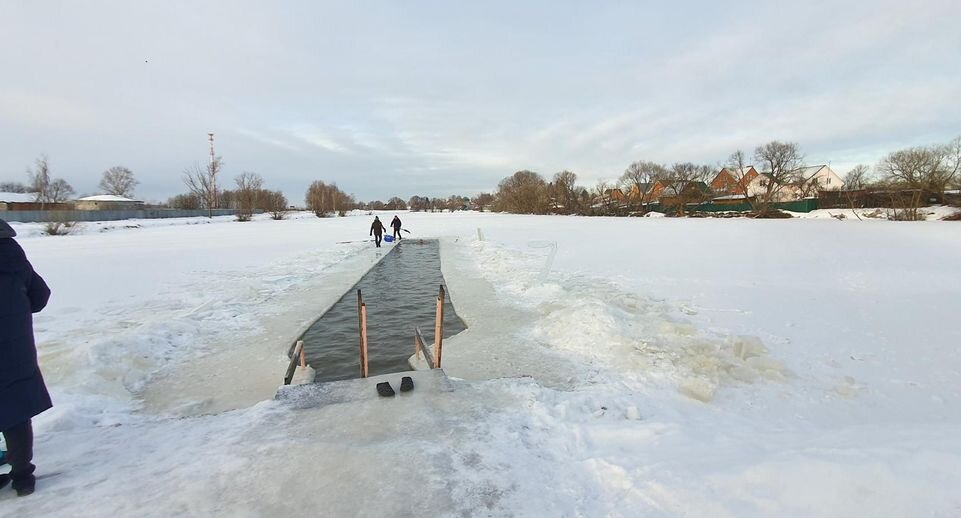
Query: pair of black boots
[[385, 390], [22, 488]]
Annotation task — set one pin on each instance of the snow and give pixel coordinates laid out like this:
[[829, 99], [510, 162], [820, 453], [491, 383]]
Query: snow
[[663, 367], [931, 213], [26, 197], [104, 197]]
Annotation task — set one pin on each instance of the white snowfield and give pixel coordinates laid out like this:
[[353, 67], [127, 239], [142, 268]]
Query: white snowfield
[[663, 367]]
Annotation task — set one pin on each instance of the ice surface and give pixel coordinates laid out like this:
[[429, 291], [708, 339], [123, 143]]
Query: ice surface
[[666, 367]]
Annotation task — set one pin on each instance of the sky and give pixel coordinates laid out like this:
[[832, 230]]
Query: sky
[[436, 98]]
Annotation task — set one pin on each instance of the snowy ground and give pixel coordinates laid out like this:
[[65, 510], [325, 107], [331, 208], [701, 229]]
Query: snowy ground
[[662, 367]]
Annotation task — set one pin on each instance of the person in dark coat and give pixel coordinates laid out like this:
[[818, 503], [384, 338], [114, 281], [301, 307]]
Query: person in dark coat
[[396, 224], [377, 230], [23, 394]]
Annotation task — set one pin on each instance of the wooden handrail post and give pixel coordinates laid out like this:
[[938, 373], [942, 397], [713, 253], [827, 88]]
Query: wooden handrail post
[[419, 340], [363, 340], [439, 327], [292, 366], [416, 345]]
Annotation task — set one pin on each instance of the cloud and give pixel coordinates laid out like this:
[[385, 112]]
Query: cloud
[[264, 139], [45, 111]]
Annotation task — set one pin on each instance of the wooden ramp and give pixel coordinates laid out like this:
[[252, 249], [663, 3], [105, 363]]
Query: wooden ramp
[[347, 391]]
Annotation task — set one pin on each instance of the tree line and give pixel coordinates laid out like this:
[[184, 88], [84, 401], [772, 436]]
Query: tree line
[[247, 197], [919, 170]]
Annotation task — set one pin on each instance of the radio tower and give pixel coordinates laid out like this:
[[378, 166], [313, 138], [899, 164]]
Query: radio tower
[[213, 171]]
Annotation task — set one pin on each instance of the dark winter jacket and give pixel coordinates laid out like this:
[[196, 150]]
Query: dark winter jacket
[[396, 223], [377, 227], [22, 293]]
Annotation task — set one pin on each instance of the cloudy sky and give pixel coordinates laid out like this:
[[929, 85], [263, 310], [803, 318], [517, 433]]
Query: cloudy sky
[[436, 98]]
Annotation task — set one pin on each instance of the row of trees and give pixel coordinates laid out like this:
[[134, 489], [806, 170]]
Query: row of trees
[[117, 180], [326, 199], [246, 198]]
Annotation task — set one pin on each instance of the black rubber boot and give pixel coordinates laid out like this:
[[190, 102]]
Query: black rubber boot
[[19, 455], [384, 389], [4, 480], [406, 384], [25, 487]]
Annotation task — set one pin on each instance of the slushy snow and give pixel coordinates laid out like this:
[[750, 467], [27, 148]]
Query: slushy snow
[[659, 367]]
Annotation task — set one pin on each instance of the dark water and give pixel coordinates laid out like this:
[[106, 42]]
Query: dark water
[[400, 293]]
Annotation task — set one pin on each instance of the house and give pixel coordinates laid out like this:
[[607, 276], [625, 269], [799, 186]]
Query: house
[[107, 202], [817, 178], [655, 190], [727, 181], [27, 201], [805, 182], [637, 192]]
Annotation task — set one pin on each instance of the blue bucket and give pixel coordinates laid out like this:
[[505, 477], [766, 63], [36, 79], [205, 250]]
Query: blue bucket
[[389, 239]]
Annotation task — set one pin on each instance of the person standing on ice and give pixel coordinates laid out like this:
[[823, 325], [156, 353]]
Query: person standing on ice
[[377, 230], [23, 393], [396, 224]]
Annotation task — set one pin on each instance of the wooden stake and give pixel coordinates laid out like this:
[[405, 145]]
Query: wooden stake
[[363, 340], [416, 345], [439, 328], [303, 355]]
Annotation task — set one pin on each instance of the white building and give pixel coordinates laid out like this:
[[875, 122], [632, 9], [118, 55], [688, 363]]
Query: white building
[[107, 202], [805, 183]]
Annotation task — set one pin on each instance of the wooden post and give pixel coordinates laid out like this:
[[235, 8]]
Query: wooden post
[[363, 340], [419, 340], [439, 327], [292, 366], [416, 345], [360, 329], [303, 355]]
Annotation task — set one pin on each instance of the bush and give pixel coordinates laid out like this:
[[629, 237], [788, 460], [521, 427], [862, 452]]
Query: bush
[[60, 228], [772, 214]]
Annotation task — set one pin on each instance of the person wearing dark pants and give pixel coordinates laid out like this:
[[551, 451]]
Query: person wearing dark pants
[[396, 224], [23, 393], [377, 230]]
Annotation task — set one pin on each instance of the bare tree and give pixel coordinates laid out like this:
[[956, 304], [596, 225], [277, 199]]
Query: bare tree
[[782, 162], [119, 181], [482, 201], [275, 203], [324, 199], [564, 192], [201, 183], [15, 187], [40, 180], [249, 186], [638, 177], [524, 192], [929, 169], [396, 203], [185, 201], [59, 191], [857, 178], [686, 184], [605, 202]]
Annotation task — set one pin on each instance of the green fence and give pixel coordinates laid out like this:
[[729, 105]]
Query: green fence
[[805, 205]]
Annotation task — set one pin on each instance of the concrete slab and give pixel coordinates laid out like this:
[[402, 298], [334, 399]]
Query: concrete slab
[[426, 382]]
